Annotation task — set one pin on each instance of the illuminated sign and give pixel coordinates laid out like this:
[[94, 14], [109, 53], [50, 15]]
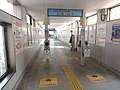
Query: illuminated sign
[[65, 12]]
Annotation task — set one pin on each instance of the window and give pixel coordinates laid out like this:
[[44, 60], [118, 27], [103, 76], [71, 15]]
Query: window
[[29, 29], [3, 60], [115, 13], [6, 6], [28, 19], [92, 20]]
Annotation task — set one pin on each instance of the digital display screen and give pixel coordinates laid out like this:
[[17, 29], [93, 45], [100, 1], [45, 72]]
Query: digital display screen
[[65, 12]]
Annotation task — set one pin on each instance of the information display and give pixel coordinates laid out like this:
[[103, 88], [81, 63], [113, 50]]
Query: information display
[[65, 12]]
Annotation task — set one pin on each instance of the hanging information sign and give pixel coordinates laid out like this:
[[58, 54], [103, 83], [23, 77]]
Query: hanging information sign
[[65, 12]]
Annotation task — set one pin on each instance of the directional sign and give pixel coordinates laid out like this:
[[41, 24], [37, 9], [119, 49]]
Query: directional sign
[[65, 12]]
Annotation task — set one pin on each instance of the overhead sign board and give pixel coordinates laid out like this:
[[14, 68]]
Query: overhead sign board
[[65, 12]]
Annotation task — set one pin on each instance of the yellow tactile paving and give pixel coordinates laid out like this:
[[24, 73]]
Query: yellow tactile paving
[[73, 58], [70, 75], [76, 58]]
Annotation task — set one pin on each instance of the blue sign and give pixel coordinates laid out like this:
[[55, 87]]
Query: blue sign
[[46, 30], [65, 12]]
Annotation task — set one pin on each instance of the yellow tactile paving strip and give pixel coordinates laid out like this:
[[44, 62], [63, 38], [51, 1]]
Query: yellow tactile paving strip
[[70, 75]]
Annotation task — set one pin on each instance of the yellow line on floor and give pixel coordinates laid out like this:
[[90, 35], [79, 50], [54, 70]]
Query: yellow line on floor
[[70, 75]]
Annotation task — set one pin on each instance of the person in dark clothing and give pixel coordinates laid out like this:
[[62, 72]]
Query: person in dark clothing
[[79, 44], [70, 41]]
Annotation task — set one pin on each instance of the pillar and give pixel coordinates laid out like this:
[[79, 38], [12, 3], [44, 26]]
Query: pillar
[[82, 20]]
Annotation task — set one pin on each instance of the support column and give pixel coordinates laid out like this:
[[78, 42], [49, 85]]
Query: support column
[[46, 32], [46, 23], [46, 42], [82, 61], [78, 31]]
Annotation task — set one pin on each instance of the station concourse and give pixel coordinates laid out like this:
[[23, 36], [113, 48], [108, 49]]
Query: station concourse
[[65, 66], [60, 45]]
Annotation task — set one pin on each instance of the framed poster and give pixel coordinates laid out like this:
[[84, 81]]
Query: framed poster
[[92, 33], [17, 27], [115, 33], [101, 34]]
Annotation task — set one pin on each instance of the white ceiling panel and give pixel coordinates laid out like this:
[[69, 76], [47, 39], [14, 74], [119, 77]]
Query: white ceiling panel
[[37, 7]]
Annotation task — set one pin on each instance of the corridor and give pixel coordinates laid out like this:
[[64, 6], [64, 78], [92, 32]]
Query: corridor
[[65, 73]]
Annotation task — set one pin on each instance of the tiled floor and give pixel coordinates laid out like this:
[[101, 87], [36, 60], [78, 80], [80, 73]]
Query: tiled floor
[[39, 71]]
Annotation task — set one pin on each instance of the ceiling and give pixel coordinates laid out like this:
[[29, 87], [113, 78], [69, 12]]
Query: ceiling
[[37, 8]]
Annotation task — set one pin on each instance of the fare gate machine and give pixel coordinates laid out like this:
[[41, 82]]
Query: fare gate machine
[[47, 52]]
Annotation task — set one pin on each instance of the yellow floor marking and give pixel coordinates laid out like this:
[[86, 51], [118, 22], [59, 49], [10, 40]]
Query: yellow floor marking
[[48, 82], [70, 75], [96, 78], [76, 58], [70, 58]]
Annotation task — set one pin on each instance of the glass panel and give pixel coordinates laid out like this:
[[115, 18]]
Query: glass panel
[[3, 65], [28, 19], [92, 20], [115, 13]]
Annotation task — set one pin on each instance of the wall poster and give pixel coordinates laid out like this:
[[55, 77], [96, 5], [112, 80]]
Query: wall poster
[[17, 27], [115, 33], [92, 33], [101, 34]]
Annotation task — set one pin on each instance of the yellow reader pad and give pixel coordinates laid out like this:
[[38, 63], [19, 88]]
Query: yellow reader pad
[[96, 78], [48, 82]]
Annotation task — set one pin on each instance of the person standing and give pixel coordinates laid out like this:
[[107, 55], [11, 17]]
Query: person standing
[[70, 41]]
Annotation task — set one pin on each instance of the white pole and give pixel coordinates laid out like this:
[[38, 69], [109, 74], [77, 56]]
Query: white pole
[[82, 20]]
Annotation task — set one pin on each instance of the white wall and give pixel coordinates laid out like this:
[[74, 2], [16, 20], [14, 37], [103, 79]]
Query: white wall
[[64, 34], [98, 51], [110, 53], [112, 48], [5, 17], [23, 59]]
